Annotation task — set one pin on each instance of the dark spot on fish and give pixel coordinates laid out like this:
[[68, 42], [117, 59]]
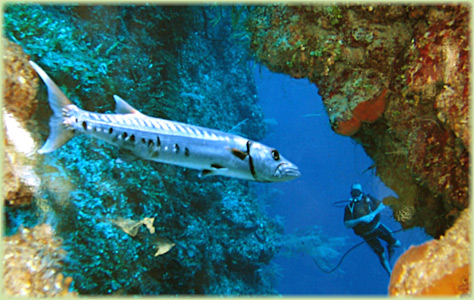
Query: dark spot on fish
[[84, 125], [143, 141], [217, 166], [132, 138], [176, 148], [238, 153], [186, 151], [251, 165], [111, 130], [158, 141], [150, 143], [124, 135]]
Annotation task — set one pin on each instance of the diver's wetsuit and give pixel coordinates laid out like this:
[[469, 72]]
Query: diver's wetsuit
[[370, 232]]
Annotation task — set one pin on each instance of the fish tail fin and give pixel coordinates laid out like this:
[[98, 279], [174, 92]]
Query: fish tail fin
[[59, 134]]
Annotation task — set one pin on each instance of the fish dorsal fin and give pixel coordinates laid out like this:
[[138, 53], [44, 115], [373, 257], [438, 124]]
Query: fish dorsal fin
[[122, 107]]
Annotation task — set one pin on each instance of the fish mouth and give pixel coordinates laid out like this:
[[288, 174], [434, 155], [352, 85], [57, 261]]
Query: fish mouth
[[286, 171]]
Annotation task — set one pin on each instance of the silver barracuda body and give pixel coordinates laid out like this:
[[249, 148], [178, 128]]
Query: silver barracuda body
[[211, 151]]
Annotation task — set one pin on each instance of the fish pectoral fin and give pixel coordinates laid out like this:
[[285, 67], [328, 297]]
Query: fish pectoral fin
[[122, 107], [206, 173], [214, 170], [126, 156], [218, 167], [239, 153]]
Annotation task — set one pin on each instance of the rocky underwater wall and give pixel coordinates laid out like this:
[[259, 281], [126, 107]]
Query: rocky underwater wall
[[395, 78], [201, 236]]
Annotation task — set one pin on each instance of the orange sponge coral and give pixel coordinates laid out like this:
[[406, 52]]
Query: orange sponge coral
[[367, 111], [438, 267], [348, 127]]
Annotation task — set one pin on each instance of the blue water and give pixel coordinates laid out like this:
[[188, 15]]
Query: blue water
[[329, 164]]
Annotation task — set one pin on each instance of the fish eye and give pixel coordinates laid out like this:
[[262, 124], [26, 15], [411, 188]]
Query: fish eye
[[275, 155]]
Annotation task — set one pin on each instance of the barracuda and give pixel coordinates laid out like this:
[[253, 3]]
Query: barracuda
[[211, 151]]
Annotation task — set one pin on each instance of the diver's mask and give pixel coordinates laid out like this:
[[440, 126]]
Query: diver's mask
[[356, 194]]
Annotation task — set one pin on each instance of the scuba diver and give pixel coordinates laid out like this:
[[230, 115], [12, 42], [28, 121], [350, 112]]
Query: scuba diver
[[362, 215]]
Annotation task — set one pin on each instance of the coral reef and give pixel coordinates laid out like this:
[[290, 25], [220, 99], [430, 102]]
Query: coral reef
[[33, 263], [183, 63], [335, 48], [393, 77], [438, 267]]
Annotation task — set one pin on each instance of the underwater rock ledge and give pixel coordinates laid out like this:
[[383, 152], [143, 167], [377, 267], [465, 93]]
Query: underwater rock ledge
[[396, 79]]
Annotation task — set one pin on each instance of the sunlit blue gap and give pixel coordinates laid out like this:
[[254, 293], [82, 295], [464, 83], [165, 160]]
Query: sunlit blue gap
[[298, 126]]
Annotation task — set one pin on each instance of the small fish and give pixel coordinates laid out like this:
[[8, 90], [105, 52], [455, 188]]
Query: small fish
[[211, 151], [163, 245]]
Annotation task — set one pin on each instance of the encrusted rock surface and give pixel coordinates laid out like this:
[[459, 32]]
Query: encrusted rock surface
[[32, 264], [20, 87], [20, 83]]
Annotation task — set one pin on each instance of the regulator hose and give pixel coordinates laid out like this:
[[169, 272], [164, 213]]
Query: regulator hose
[[347, 252]]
